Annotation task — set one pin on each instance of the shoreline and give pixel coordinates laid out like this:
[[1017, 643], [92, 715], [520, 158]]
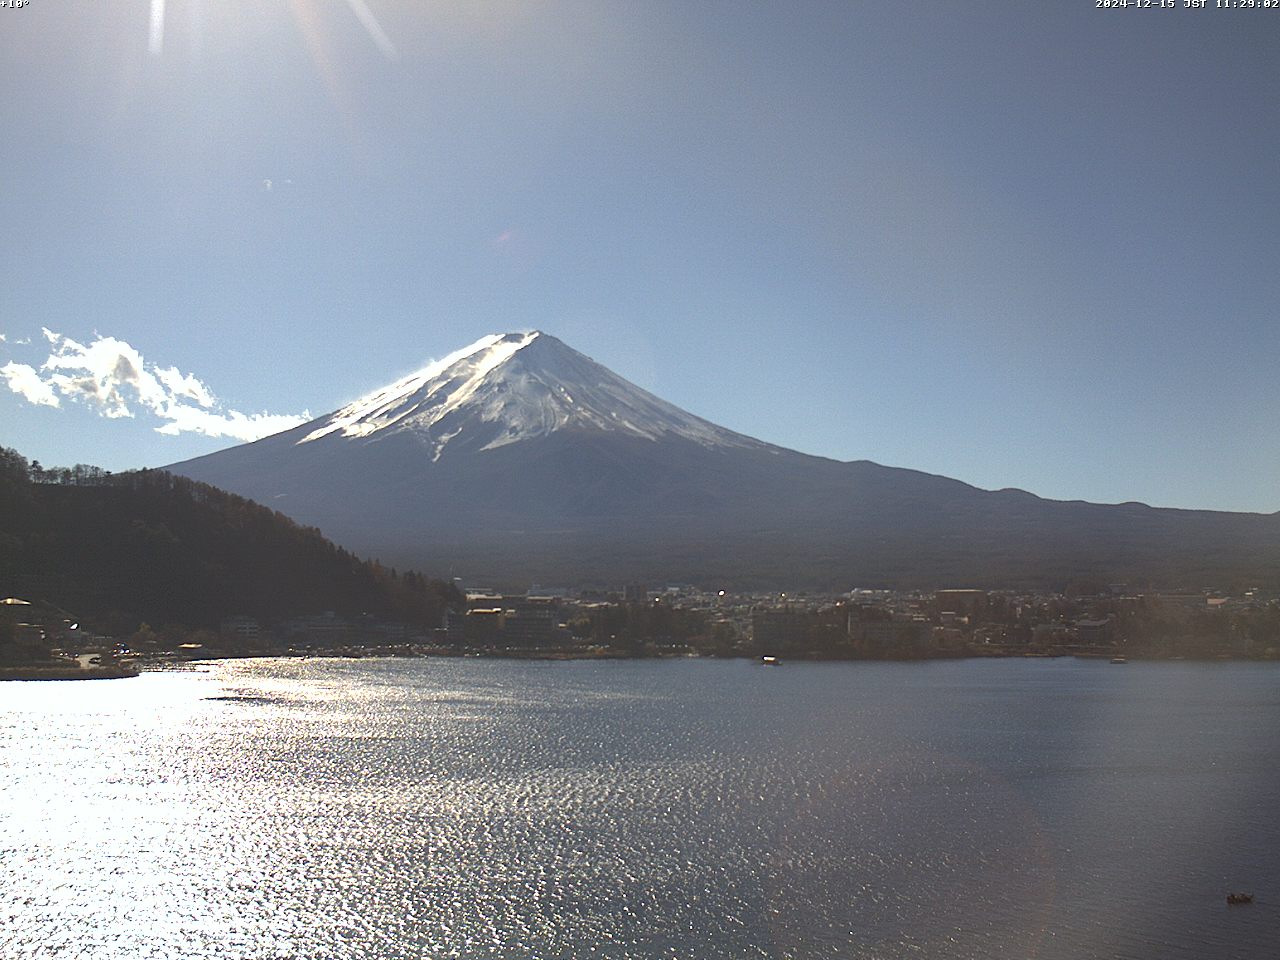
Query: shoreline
[[68, 673], [163, 662]]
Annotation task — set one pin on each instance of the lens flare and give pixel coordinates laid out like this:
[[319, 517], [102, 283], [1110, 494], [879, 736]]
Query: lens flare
[[373, 28], [155, 36]]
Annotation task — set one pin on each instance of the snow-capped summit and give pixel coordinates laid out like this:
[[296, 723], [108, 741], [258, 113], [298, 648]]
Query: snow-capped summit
[[510, 387], [518, 458]]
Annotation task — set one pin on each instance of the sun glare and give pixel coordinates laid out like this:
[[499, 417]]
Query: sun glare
[[378, 36], [373, 28], [155, 35]]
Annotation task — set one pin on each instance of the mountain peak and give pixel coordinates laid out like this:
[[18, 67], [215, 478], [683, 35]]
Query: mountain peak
[[517, 454], [509, 387]]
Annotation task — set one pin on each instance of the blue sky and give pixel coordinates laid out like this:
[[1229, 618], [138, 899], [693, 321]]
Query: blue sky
[[1029, 245]]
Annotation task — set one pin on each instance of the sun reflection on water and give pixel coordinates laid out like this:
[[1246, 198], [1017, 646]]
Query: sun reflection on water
[[380, 809]]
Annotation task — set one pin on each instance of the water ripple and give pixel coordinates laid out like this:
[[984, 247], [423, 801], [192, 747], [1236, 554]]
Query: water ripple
[[479, 809]]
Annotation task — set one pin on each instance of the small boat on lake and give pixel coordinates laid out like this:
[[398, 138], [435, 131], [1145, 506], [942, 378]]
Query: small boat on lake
[[769, 661], [1119, 659], [1238, 898]]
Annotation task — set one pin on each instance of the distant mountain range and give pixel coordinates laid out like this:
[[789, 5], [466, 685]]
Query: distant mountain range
[[518, 459]]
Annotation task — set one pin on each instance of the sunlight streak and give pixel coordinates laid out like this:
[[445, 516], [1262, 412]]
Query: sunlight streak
[[155, 37], [374, 29], [318, 48]]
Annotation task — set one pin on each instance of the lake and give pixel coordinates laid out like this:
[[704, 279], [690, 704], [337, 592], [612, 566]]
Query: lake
[[468, 808]]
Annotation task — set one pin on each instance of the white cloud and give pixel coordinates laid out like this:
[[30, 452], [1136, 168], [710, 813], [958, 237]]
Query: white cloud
[[185, 386], [105, 373], [26, 383], [233, 423], [113, 377]]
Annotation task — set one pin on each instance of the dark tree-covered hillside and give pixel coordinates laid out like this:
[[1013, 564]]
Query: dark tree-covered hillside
[[150, 546]]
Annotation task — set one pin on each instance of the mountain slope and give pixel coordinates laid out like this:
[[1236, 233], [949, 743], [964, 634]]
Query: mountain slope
[[155, 547], [520, 458]]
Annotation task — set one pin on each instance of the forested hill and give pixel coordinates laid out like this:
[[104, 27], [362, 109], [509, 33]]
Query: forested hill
[[150, 546]]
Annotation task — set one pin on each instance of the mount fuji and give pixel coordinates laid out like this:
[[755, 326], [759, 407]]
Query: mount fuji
[[518, 458]]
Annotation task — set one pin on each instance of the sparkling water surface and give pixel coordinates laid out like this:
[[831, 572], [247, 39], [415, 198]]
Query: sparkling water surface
[[682, 808]]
